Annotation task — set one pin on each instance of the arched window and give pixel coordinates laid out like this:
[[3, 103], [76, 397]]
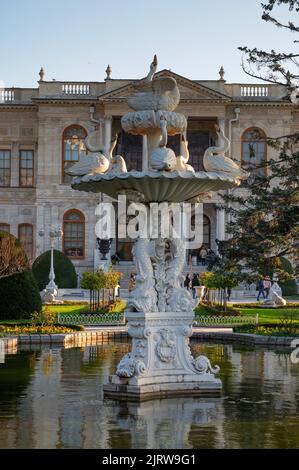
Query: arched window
[[25, 235], [206, 229], [254, 151], [73, 148], [4, 227], [74, 234]]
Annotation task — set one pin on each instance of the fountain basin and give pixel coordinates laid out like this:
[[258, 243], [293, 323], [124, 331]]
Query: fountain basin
[[156, 186], [145, 122]]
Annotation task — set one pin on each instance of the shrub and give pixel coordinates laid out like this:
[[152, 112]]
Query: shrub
[[13, 258], [288, 287], [19, 296], [65, 273]]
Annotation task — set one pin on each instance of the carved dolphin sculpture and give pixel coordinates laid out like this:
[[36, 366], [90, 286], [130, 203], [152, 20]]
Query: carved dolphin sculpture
[[215, 160]]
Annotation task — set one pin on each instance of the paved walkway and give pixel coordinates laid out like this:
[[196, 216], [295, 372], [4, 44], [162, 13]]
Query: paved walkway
[[124, 328]]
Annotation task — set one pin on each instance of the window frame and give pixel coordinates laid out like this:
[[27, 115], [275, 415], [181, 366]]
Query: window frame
[[263, 140], [9, 177], [81, 221], [63, 160], [20, 168], [20, 226], [5, 224]]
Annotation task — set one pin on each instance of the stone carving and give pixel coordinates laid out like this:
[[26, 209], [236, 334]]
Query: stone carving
[[98, 163], [182, 160], [166, 347], [144, 296], [178, 298], [159, 272], [163, 158], [203, 365], [215, 160], [277, 299], [129, 366], [155, 93], [117, 165], [146, 122], [94, 163]]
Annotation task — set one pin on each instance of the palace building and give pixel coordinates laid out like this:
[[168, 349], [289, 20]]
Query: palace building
[[42, 131]]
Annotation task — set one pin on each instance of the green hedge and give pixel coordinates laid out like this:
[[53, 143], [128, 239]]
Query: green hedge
[[288, 287], [19, 296], [65, 274]]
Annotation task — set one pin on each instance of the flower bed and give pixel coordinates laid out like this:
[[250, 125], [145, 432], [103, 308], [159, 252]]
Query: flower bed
[[269, 330], [29, 329]]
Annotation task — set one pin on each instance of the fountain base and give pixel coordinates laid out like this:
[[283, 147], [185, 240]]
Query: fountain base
[[160, 363]]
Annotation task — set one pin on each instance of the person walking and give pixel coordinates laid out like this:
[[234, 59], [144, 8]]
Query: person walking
[[195, 283], [132, 282], [267, 285], [229, 293], [203, 255], [187, 281], [260, 289]]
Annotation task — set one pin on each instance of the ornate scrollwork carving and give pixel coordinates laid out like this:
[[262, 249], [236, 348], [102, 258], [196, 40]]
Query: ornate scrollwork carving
[[166, 348], [203, 365], [130, 366]]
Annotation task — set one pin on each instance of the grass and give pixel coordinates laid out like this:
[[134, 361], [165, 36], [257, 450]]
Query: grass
[[66, 308], [266, 315], [270, 315], [70, 309]]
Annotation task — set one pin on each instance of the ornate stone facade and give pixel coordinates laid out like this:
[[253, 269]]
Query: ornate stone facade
[[35, 120]]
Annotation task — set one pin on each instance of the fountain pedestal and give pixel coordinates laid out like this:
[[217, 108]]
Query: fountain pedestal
[[160, 363]]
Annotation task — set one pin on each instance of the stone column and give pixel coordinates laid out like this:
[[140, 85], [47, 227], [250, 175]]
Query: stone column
[[144, 153], [108, 132], [15, 165], [220, 224], [40, 224]]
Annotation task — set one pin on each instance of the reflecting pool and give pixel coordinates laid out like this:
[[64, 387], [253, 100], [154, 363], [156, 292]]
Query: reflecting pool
[[52, 398]]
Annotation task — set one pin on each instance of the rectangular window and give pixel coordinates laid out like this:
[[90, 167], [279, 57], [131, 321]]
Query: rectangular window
[[26, 168], [4, 167], [4, 227], [26, 238]]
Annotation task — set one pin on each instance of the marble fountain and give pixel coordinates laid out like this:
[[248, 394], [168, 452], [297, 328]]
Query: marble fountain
[[160, 310]]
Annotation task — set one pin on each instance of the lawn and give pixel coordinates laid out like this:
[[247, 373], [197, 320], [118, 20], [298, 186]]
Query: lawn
[[266, 315], [66, 308], [270, 315]]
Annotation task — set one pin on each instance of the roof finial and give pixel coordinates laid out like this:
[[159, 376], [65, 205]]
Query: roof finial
[[41, 74], [221, 73], [108, 72]]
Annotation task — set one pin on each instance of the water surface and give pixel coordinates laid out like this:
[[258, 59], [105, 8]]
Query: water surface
[[52, 398]]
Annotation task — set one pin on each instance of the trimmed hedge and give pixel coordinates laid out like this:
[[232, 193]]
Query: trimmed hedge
[[288, 287], [19, 296], [65, 273]]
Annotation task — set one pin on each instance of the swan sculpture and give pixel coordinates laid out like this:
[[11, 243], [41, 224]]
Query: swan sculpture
[[163, 158], [181, 160], [155, 94], [93, 163], [117, 165], [215, 160]]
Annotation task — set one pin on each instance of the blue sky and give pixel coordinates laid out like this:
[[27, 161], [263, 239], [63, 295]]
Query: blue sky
[[75, 40]]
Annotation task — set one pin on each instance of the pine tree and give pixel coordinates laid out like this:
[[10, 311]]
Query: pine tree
[[265, 218]]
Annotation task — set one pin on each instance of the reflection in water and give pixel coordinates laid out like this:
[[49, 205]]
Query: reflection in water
[[52, 398]]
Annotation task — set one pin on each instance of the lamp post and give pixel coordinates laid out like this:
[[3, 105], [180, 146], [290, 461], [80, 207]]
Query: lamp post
[[51, 290]]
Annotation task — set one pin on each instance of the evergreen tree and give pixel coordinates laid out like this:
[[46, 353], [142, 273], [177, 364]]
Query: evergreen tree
[[265, 217]]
